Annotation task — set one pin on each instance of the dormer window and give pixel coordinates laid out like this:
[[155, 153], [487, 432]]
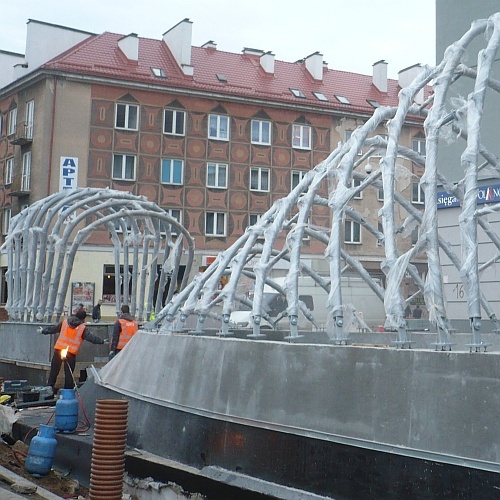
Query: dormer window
[[342, 99], [373, 103], [159, 73], [320, 96], [298, 93]]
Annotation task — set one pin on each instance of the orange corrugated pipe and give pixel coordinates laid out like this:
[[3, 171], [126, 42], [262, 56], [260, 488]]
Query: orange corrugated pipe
[[108, 449]]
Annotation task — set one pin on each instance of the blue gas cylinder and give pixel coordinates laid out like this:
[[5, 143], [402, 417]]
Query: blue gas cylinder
[[41, 451], [66, 418]]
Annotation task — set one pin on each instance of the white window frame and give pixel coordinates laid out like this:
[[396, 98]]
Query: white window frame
[[170, 211], [380, 152], [7, 215], [350, 232], [218, 219], [380, 194], [299, 175], [177, 122], [348, 134], [30, 118], [127, 118], [173, 165], [218, 168], [215, 127], [9, 170], [301, 136], [12, 122], [356, 183], [418, 145], [417, 190], [256, 218], [26, 172], [262, 174], [258, 133], [124, 157]]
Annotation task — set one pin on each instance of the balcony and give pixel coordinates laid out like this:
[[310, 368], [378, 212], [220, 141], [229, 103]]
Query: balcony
[[23, 134], [20, 186]]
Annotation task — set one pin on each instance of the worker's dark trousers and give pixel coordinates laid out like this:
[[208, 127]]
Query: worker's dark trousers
[[55, 367]]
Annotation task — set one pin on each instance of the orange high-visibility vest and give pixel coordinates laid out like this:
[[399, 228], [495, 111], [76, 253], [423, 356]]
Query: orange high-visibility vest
[[70, 337], [128, 331]]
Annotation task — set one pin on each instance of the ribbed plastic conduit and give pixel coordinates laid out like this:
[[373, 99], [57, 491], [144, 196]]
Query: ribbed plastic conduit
[[108, 450]]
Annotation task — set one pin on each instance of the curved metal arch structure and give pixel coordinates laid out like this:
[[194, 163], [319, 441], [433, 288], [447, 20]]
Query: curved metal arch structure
[[339, 169], [43, 240]]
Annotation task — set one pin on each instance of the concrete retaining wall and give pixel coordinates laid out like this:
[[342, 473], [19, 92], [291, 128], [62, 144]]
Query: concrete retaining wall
[[439, 405]]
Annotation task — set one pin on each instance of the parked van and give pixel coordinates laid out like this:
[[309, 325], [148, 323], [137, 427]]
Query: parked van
[[362, 307]]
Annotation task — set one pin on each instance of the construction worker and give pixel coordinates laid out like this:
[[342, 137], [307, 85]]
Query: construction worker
[[124, 329], [71, 333]]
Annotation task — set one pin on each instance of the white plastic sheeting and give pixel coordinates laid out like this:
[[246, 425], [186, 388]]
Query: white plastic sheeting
[[43, 241], [340, 170]]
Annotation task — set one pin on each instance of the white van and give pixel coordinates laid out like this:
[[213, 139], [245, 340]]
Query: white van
[[361, 305]]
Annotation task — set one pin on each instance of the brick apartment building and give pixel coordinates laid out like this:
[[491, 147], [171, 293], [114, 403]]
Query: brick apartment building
[[212, 137]]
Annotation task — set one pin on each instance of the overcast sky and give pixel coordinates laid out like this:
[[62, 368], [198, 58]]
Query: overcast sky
[[351, 34]]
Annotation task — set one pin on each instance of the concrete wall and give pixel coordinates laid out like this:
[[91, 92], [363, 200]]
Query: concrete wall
[[26, 354], [436, 405]]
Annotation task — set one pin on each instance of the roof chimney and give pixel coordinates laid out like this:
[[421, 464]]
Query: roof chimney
[[209, 45], [178, 40], [267, 62], [380, 75], [314, 64], [407, 75], [129, 45]]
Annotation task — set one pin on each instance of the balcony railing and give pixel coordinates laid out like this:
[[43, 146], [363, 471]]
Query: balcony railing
[[23, 134]]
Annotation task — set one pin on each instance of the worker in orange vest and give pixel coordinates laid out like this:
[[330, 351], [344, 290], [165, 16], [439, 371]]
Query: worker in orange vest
[[124, 329], [71, 333]]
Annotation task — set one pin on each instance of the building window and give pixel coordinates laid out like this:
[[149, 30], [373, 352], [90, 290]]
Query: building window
[[414, 235], [348, 134], [418, 145], [417, 193], [159, 72], [218, 127], [174, 122], [320, 96], [172, 171], [217, 175], [261, 132], [7, 214], [30, 118], [297, 176], [259, 179], [380, 194], [108, 282], [253, 219], [12, 124], [380, 230], [356, 183], [215, 224], [301, 136], [124, 167], [127, 116], [298, 93], [9, 171], [176, 214], [26, 173], [352, 232]]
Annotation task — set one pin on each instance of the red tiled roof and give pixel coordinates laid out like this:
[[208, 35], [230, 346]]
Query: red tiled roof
[[99, 55]]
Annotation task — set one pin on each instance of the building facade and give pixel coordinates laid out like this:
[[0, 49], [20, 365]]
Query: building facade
[[214, 138]]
